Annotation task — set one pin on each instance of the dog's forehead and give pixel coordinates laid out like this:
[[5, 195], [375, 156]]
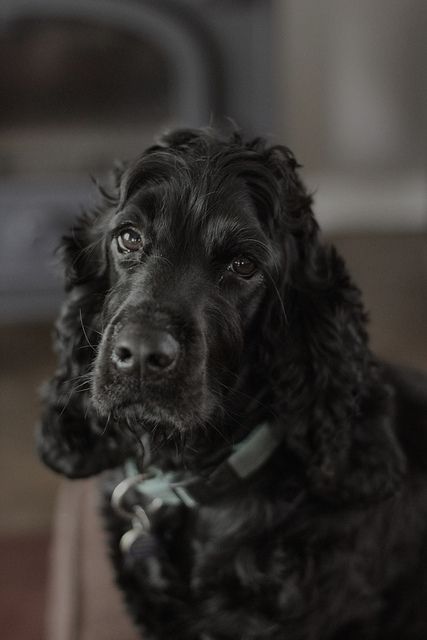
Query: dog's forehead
[[211, 214]]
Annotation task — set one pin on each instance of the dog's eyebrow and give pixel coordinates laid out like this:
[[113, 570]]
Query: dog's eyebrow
[[150, 171], [130, 214], [139, 208], [230, 237]]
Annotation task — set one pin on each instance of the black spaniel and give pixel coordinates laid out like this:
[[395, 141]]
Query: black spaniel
[[267, 475]]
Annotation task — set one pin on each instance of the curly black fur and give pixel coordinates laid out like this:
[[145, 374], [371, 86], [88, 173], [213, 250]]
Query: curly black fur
[[287, 344]]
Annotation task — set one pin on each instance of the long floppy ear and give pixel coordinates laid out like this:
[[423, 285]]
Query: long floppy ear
[[70, 439], [330, 391]]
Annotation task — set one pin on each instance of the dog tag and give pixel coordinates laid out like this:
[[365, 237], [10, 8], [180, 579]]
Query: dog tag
[[140, 528], [142, 547], [128, 538], [139, 549], [138, 545]]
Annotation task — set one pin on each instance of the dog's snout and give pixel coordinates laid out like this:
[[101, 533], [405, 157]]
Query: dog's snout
[[151, 351]]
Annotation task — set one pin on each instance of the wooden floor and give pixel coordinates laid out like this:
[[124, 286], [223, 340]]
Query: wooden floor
[[24, 567]]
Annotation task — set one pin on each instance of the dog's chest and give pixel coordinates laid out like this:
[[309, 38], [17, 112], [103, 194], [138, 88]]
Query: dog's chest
[[225, 563], [227, 547], [223, 573]]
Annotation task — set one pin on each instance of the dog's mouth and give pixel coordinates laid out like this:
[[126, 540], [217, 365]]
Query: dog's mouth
[[142, 418], [148, 413]]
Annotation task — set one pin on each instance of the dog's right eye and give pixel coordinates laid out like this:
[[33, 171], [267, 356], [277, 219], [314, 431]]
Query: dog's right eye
[[243, 267], [129, 240]]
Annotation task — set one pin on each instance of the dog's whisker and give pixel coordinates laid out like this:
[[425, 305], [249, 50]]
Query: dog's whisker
[[237, 391], [84, 331], [163, 258], [85, 250], [210, 424], [66, 404], [279, 297], [87, 409], [106, 425], [81, 389], [82, 376]]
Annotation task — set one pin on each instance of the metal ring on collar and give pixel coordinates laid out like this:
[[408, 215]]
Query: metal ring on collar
[[119, 494]]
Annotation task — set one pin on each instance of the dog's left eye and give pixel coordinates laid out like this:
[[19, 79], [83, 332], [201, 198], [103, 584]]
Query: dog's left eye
[[243, 267], [129, 240]]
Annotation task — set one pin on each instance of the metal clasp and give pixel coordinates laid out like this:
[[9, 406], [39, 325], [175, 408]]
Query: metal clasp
[[139, 516]]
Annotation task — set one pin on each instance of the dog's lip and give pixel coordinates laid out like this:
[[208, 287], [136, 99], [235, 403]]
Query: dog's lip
[[140, 410]]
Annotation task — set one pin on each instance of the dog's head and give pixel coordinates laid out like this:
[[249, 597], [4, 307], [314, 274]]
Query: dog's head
[[189, 254], [199, 297]]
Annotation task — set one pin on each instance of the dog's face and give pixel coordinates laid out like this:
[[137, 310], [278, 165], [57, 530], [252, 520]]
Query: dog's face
[[189, 260], [172, 282]]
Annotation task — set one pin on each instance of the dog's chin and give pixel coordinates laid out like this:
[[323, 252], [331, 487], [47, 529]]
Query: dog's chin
[[163, 410], [146, 418], [149, 415]]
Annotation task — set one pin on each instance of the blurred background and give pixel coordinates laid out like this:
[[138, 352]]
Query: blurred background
[[84, 83]]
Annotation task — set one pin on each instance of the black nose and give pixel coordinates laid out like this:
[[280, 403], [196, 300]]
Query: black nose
[[152, 350]]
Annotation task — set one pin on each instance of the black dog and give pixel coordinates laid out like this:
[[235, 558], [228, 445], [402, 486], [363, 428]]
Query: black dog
[[213, 342]]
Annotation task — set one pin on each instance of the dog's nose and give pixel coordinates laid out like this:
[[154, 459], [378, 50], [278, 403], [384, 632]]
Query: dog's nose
[[152, 350]]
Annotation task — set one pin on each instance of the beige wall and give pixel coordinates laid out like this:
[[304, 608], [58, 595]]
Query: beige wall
[[353, 93]]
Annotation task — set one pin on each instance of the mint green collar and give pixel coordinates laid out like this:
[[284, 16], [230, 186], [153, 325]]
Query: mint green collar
[[170, 488]]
